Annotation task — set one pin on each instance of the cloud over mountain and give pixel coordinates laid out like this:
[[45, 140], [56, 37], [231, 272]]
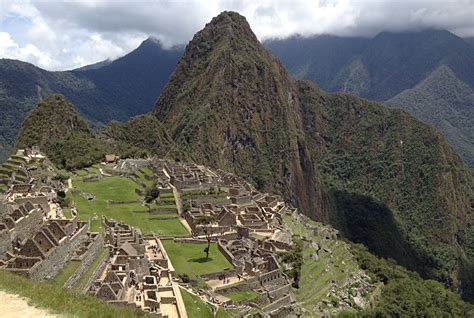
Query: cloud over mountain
[[66, 34]]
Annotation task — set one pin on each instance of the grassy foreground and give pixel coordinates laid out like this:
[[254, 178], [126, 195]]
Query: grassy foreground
[[60, 301], [196, 308]]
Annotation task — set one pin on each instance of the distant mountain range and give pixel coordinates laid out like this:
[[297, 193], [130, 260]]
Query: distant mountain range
[[408, 70], [429, 73], [101, 92]]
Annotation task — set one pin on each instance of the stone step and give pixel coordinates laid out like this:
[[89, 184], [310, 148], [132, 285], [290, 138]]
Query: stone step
[[324, 278]]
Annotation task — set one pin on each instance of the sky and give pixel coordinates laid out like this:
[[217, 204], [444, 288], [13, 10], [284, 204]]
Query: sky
[[66, 34]]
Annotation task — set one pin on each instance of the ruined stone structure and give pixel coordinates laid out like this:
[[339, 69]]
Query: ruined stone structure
[[137, 273], [41, 255]]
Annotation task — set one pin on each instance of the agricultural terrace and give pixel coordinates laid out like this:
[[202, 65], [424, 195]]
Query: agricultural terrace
[[115, 197], [323, 280], [190, 259], [196, 308]]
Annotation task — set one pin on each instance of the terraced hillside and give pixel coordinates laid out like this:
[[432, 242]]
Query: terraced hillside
[[330, 279], [122, 198]]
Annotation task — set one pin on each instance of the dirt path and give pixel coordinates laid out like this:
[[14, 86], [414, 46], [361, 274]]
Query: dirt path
[[17, 307]]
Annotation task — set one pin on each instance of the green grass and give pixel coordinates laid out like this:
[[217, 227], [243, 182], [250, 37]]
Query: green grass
[[135, 214], [146, 172], [296, 228], [60, 301], [65, 273], [195, 307], [164, 195], [67, 213], [167, 206], [110, 188], [242, 295], [82, 281], [190, 258]]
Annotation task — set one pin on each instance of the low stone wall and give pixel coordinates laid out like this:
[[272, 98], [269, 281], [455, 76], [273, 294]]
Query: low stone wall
[[190, 240], [5, 243], [284, 301], [162, 212], [280, 292], [123, 202], [225, 252], [87, 259], [166, 210], [95, 275], [234, 288], [229, 272], [51, 265]]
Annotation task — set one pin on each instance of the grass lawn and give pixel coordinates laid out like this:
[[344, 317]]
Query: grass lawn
[[164, 195], [82, 281], [167, 206], [141, 176], [243, 295], [58, 300], [66, 272], [110, 188], [67, 213], [190, 258], [134, 214], [195, 307]]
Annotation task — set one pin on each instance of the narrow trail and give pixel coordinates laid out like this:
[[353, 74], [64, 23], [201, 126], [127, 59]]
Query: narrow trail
[[18, 307]]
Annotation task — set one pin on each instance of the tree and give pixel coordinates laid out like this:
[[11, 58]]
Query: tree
[[151, 193], [205, 222]]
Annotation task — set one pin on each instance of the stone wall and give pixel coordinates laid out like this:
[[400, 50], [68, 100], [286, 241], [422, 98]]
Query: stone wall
[[5, 242], [54, 261], [32, 223], [284, 301], [38, 200], [215, 275], [225, 252], [87, 259], [95, 275], [280, 292]]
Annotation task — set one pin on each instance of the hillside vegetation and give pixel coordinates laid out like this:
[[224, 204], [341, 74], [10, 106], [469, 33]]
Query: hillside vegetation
[[356, 164], [426, 73], [405, 294], [58, 129], [115, 90]]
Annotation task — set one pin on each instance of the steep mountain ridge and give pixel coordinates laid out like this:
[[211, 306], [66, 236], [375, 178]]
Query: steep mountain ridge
[[117, 90], [448, 103], [59, 130], [230, 104], [388, 65]]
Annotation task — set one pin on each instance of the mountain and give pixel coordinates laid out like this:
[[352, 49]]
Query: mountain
[[58, 129], [382, 177], [448, 103], [391, 64], [470, 40], [399, 292], [94, 66], [116, 90]]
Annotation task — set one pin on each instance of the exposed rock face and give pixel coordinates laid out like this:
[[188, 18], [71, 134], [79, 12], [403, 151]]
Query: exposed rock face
[[382, 177]]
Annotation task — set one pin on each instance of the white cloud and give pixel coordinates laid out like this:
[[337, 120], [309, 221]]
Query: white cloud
[[64, 34]]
